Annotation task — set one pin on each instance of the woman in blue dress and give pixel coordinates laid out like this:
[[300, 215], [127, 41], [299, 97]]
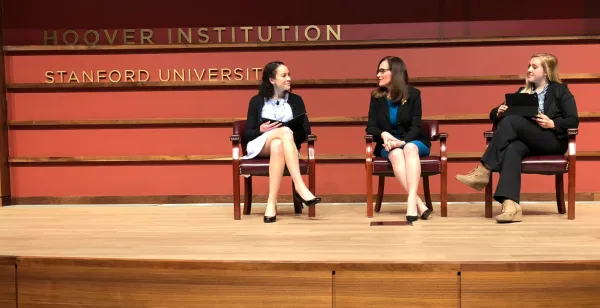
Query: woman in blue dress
[[395, 123], [269, 139]]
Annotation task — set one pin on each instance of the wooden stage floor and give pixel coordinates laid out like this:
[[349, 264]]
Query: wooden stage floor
[[337, 234], [199, 256]]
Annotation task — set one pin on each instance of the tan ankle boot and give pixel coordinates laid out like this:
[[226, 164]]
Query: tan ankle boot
[[477, 178], [511, 212]]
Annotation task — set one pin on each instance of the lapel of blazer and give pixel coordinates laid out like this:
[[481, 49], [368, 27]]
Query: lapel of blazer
[[549, 97], [386, 110]]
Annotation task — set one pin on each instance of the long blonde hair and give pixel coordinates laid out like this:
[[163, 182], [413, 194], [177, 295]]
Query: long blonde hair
[[550, 66]]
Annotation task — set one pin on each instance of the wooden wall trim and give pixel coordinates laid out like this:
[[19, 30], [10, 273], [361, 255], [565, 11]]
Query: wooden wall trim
[[345, 198], [4, 147], [217, 122], [391, 43], [224, 159], [252, 84]]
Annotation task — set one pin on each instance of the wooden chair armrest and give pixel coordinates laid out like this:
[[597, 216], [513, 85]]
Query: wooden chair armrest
[[442, 137], [311, 146], [236, 147], [488, 135], [369, 147], [572, 151], [439, 136], [572, 132]]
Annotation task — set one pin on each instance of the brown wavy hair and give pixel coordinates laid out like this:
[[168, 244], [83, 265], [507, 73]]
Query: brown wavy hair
[[398, 87]]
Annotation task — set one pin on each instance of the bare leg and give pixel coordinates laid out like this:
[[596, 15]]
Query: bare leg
[[397, 158], [276, 165], [413, 174], [290, 152]]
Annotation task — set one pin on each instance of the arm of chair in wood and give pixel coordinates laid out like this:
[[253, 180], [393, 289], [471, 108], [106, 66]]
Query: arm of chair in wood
[[311, 147], [236, 150], [236, 147], [488, 136], [369, 148], [572, 132], [369, 173], [443, 172], [572, 158], [312, 168], [442, 138]]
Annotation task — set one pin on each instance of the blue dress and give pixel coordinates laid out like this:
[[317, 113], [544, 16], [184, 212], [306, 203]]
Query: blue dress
[[393, 107]]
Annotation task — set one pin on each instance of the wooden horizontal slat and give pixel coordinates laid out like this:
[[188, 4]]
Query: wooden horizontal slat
[[167, 122], [200, 122], [124, 159], [155, 48], [306, 83], [215, 159], [283, 198]]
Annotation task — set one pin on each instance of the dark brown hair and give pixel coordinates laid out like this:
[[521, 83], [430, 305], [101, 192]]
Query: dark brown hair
[[266, 88], [399, 84]]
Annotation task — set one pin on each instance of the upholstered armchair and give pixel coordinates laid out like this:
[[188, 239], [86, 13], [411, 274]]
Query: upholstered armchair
[[430, 165], [556, 165], [249, 168]]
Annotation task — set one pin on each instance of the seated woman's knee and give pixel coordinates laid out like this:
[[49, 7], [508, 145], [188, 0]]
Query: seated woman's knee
[[411, 149], [286, 132], [395, 153], [276, 147]]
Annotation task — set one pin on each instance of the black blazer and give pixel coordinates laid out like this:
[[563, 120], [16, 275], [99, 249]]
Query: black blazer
[[409, 120], [559, 105], [253, 119]]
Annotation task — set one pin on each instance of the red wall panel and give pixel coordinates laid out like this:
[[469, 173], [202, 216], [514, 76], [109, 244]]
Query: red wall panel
[[423, 19]]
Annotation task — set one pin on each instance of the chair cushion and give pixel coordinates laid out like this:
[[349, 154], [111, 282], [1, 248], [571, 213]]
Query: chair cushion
[[260, 167], [546, 164], [430, 165]]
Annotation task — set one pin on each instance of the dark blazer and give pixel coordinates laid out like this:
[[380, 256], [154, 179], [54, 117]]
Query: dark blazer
[[409, 120], [253, 119], [559, 105]]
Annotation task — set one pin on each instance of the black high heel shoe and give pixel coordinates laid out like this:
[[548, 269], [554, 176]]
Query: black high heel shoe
[[412, 218], [426, 214], [310, 202], [270, 219]]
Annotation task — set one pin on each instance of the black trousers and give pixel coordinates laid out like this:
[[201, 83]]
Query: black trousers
[[515, 138]]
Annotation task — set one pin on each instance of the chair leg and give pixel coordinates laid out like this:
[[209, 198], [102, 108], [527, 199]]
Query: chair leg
[[560, 193], [297, 202], [247, 195], [488, 198], [380, 190], [571, 192], [312, 210], [236, 193], [444, 192], [369, 180], [427, 192]]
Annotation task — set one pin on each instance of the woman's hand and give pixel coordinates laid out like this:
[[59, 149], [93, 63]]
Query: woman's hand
[[501, 111], [267, 126], [385, 136], [390, 142], [544, 121]]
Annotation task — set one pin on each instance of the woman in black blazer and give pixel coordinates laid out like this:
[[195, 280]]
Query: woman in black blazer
[[517, 136], [395, 123], [269, 139]]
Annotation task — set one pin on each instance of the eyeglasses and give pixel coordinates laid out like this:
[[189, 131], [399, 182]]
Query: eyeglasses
[[383, 70]]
